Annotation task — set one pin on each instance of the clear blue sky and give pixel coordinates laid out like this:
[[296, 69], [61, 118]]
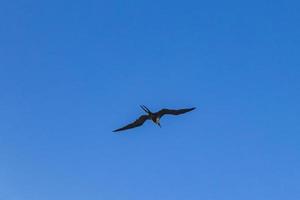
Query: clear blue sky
[[73, 71]]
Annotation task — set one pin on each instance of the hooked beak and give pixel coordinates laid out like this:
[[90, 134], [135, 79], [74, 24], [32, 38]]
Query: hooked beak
[[159, 125]]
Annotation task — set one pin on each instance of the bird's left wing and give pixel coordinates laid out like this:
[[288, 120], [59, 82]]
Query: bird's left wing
[[136, 123]]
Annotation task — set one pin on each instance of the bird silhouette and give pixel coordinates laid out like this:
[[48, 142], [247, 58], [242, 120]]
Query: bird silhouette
[[155, 117]]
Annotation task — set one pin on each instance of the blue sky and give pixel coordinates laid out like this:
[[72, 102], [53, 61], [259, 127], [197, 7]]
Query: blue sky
[[73, 71]]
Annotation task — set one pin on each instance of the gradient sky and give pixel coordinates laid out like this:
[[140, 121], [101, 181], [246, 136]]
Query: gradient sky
[[73, 71]]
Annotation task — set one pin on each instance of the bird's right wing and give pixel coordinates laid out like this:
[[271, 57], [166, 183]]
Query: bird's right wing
[[136, 123], [163, 112]]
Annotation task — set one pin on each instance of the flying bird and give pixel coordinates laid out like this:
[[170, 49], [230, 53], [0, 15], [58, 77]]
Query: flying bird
[[155, 117]]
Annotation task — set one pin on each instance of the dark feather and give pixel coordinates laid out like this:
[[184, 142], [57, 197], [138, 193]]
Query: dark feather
[[163, 112], [136, 123]]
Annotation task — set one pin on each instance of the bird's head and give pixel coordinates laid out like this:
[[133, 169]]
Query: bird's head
[[157, 122]]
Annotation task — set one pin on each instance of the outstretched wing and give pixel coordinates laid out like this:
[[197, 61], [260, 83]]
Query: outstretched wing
[[163, 112], [136, 123]]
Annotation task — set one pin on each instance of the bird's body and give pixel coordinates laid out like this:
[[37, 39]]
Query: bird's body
[[155, 117]]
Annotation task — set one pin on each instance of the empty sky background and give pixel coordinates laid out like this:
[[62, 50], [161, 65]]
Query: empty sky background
[[73, 71]]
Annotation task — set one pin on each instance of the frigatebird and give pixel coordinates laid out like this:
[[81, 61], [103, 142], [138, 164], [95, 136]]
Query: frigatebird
[[155, 117]]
